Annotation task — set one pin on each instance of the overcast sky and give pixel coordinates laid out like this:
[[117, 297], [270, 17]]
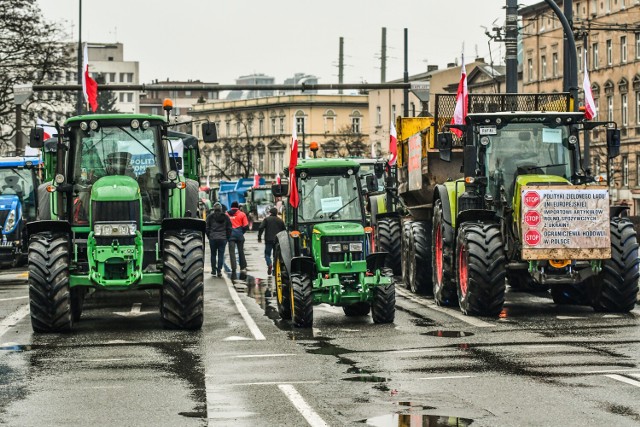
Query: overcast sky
[[220, 40]]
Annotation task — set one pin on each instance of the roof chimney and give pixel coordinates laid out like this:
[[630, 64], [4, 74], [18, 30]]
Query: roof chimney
[[451, 64], [479, 59], [432, 68]]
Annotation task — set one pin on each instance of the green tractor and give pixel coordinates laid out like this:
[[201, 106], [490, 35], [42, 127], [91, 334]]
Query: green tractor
[[324, 255], [117, 215]]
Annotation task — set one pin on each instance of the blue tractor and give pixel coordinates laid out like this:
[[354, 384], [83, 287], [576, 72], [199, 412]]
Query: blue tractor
[[18, 205]]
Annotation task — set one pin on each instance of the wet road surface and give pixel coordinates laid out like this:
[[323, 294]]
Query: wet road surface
[[538, 364]]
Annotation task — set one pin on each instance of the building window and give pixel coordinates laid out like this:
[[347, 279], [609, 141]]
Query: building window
[[593, 7], [300, 128], [129, 97], [129, 77], [187, 93], [393, 112], [623, 49], [637, 45], [273, 126], [238, 130], [609, 53], [608, 5], [227, 128], [260, 160], [625, 171], [594, 56], [530, 69], [554, 64], [330, 121], [282, 125], [625, 109], [154, 110], [596, 166], [249, 128], [355, 124], [638, 108], [543, 59], [610, 108], [121, 96], [637, 170], [379, 116], [260, 127], [112, 77], [122, 77], [579, 58], [577, 11]]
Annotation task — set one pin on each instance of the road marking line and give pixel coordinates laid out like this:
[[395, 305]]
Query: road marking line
[[257, 334], [14, 298], [624, 379], [248, 356], [458, 315], [452, 377], [570, 317], [11, 320], [422, 350], [260, 383], [635, 375], [25, 274], [307, 412], [603, 371], [135, 308]]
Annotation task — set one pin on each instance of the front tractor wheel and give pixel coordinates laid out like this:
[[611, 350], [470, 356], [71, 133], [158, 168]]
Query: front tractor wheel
[[615, 289], [49, 293], [419, 269], [444, 289], [283, 293], [389, 231], [481, 269], [301, 300], [182, 297], [383, 306]]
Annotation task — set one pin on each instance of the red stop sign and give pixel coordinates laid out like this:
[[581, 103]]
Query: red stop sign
[[532, 237], [532, 218], [531, 199]]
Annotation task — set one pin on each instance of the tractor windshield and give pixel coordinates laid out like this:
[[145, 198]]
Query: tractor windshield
[[120, 150], [20, 183], [525, 149], [370, 169], [262, 197], [329, 198]]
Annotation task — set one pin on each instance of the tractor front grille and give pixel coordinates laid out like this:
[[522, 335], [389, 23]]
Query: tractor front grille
[[3, 217], [339, 256], [113, 212]]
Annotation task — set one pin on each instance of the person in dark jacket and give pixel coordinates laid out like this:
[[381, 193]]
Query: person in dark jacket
[[219, 233], [239, 225], [271, 226]]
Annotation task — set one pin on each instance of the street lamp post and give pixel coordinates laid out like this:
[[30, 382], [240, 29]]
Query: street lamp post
[[80, 94]]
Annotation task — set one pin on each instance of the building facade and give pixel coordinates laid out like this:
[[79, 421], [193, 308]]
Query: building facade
[[255, 134], [607, 36]]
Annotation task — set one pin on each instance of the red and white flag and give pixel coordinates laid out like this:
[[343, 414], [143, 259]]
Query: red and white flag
[[393, 144], [590, 111], [49, 131], [294, 197], [278, 180], [89, 86], [462, 98], [256, 178]]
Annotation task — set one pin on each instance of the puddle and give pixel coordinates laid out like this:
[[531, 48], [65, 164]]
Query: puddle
[[416, 420], [423, 322], [16, 347], [417, 406], [448, 334], [193, 414], [366, 379]]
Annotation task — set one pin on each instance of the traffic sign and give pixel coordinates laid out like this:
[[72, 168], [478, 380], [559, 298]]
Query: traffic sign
[[531, 199], [532, 237], [532, 218], [21, 93]]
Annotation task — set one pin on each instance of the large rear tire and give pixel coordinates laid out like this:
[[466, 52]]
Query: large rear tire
[[444, 286], [301, 300], [389, 231], [191, 197], [481, 269], [283, 291], [49, 293], [615, 288], [420, 272], [406, 253], [383, 306], [182, 296]]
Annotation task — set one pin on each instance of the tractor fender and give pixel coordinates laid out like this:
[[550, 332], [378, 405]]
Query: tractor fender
[[477, 215], [441, 193], [48, 225], [195, 224], [303, 264], [286, 248], [618, 211], [375, 261]]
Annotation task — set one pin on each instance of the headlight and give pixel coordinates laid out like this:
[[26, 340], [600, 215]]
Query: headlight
[[10, 222], [146, 124], [355, 247], [135, 124], [172, 175], [59, 178], [93, 125], [84, 126], [334, 247], [122, 229]]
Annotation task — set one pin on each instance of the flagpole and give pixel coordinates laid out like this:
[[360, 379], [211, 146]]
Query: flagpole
[[80, 94]]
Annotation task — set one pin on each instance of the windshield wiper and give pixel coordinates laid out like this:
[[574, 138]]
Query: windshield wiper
[[19, 174], [136, 140], [530, 168], [343, 206]]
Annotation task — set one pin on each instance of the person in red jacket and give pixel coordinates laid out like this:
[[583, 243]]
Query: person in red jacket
[[239, 226]]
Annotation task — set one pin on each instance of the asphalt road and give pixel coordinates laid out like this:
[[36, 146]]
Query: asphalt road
[[538, 364]]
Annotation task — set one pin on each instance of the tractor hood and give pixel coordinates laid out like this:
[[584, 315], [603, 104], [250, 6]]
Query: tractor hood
[[8, 202], [116, 187], [338, 229]]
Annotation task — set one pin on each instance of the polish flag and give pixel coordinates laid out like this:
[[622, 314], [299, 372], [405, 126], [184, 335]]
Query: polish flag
[[393, 144], [294, 197], [278, 180], [89, 86], [462, 98], [256, 178], [589, 104], [49, 131]]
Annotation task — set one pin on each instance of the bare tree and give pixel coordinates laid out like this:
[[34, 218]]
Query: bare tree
[[350, 142], [30, 51]]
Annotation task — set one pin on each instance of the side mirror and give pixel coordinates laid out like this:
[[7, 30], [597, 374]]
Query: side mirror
[[378, 169], [36, 138], [445, 142], [209, 132], [613, 143], [279, 190], [372, 183], [175, 163]]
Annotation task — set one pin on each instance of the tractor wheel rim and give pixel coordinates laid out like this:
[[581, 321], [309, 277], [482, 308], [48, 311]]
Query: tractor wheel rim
[[463, 273], [439, 256], [278, 282]]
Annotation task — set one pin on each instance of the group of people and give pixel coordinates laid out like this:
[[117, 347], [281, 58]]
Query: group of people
[[229, 228]]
